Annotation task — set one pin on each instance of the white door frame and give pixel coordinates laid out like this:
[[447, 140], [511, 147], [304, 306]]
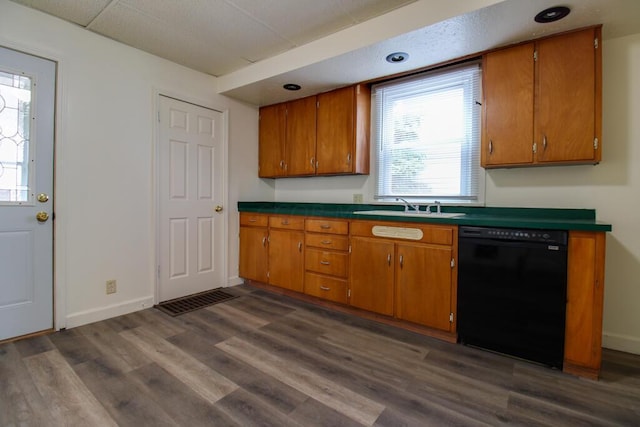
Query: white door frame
[[156, 188]]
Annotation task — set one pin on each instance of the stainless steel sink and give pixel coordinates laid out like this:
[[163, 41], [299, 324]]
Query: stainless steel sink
[[421, 214]]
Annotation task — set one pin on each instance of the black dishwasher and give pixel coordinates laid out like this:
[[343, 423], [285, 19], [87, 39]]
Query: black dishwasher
[[512, 291]]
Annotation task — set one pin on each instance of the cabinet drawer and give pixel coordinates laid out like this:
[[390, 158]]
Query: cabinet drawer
[[436, 234], [325, 287], [330, 226], [326, 262], [327, 241], [287, 222], [253, 220]]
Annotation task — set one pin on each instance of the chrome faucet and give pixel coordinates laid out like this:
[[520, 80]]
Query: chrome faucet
[[408, 206], [438, 211]]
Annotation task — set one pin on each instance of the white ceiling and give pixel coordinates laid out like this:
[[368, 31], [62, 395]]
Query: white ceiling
[[255, 46]]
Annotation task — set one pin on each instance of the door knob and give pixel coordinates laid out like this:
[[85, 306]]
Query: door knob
[[43, 198], [42, 216], [218, 208]]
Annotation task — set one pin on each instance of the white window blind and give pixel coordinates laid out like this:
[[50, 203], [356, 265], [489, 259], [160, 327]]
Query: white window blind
[[427, 131]]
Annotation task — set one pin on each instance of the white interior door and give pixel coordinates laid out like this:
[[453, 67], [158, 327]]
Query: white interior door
[[27, 91], [191, 199]]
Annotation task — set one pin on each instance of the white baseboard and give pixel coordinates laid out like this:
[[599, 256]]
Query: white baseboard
[[232, 281], [621, 342], [103, 313], [95, 315]]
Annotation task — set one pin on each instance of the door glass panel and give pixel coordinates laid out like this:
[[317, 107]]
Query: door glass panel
[[15, 120]]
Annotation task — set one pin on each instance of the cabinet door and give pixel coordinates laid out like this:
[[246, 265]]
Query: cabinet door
[[423, 284], [335, 132], [253, 253], [585, 292], [271, 161], [301, 137], [286, 259], [507, 77], [371, 275], [566, 88]]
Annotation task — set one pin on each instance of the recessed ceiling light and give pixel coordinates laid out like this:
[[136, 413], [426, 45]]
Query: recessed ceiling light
[[552, 14], [397, 57], [291, 86]]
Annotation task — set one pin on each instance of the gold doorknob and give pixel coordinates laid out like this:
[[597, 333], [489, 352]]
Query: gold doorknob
[[218, 208], [42, 216], [43, 198]]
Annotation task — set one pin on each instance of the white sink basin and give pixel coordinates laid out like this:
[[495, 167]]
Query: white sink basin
[[411, 214]]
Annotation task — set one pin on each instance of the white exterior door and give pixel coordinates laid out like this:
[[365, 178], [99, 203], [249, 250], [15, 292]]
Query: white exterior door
[[27, 91], [191, 200]]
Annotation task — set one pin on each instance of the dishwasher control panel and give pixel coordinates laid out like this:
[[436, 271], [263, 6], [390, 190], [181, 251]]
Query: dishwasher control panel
[[526, 235]]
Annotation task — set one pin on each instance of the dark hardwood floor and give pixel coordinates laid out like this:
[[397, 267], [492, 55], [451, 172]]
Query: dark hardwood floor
[[267, 360]]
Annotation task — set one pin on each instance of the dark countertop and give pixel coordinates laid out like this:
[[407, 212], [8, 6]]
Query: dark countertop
[[542, 218]]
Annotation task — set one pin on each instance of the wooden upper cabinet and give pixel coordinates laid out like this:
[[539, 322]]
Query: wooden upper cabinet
[[543, 102], [272, 134], [288, 139], [300, 144], [507, 136], [343, 131], [565, 117], [327, 134]]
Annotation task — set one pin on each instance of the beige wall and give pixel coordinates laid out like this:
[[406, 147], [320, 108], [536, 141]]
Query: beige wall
[[105, 185], [612, 188]]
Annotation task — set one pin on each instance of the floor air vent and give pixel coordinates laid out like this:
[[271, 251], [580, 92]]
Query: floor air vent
[[193, 302]]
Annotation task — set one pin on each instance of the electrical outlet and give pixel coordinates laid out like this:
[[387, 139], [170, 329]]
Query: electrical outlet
[[111, 287], [357, 198]]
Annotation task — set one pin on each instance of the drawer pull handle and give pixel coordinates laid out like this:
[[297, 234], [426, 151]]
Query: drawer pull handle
[[285, 222], [326, 242], [388, 259], [324, 288], [325, 262], [401, 261], [299, 246], [325, 226], [253, 220], [264, 241]]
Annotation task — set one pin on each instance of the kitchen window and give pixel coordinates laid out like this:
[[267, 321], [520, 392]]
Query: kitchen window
[[427, 132]]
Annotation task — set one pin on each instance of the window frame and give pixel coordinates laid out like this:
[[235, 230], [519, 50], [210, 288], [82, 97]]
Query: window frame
[[473, 95]]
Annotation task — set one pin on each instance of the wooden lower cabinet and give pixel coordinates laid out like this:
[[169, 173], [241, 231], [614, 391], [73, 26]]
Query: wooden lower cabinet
[[286, 252], [585, 293], [286, 259], [372, 272], [411, 282], [412, 279], [424, 285], [326, 259], [254, 249]]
